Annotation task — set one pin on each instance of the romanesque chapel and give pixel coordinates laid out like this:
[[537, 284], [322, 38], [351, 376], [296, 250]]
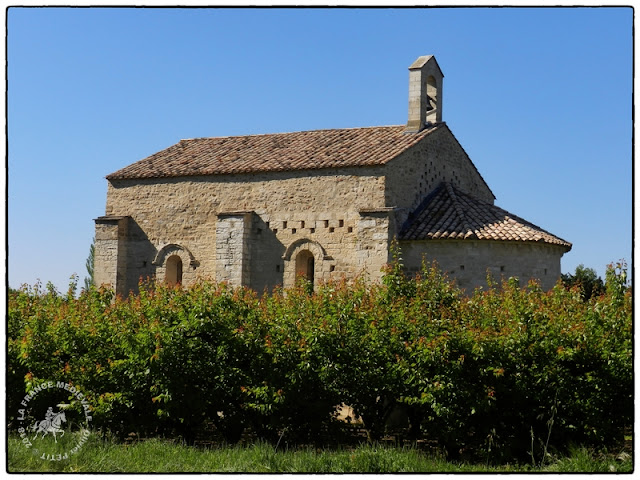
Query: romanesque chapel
[[260, 210]]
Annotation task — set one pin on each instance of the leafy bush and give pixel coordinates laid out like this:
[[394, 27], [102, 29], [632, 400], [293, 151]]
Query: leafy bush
[[506, 372], [586, 278]]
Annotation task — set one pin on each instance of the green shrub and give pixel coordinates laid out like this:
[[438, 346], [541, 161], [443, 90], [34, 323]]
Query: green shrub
[[507, 372]]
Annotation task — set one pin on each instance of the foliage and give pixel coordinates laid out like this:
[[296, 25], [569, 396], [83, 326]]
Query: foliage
[[509, 372], [616, 281], [88, 281], [586, 279]]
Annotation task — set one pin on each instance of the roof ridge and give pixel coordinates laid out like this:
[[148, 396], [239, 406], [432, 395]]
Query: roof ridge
[[421, 207], [460, 211], [290, 133]]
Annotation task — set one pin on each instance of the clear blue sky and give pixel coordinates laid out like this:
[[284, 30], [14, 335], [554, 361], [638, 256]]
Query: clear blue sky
[[540, 98]]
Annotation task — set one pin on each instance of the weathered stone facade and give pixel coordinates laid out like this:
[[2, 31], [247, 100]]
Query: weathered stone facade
[[253, 247], [261, 210], [470, 261]]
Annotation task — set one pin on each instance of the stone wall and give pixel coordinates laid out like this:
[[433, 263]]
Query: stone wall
[[318, 206], [468, 261]]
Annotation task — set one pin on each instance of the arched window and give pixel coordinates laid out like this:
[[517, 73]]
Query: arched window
[[306, 258], [174, 270], [305, 265]]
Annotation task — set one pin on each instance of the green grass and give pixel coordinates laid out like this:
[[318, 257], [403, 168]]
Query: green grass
[[99, 455]]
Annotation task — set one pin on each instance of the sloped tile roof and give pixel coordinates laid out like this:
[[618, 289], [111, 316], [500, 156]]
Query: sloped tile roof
[[448, 213], [316, 149]]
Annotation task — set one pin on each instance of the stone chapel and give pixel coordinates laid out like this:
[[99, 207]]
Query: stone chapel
[[261, 210]]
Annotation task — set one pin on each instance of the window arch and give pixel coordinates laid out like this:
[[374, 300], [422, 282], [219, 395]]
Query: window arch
[[173, 274], [308, 258], [172, 271], [174, 249]]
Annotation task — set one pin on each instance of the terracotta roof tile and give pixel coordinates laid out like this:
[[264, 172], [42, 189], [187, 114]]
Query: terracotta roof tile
[[449, 213], [315, 149]]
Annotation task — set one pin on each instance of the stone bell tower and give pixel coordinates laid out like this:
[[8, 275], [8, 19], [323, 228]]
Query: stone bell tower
[[425, 93]]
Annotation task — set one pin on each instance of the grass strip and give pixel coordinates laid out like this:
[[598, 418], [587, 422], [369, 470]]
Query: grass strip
[[156, 455]]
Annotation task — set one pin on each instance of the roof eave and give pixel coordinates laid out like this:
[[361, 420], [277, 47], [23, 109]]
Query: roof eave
[[444, 238]]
